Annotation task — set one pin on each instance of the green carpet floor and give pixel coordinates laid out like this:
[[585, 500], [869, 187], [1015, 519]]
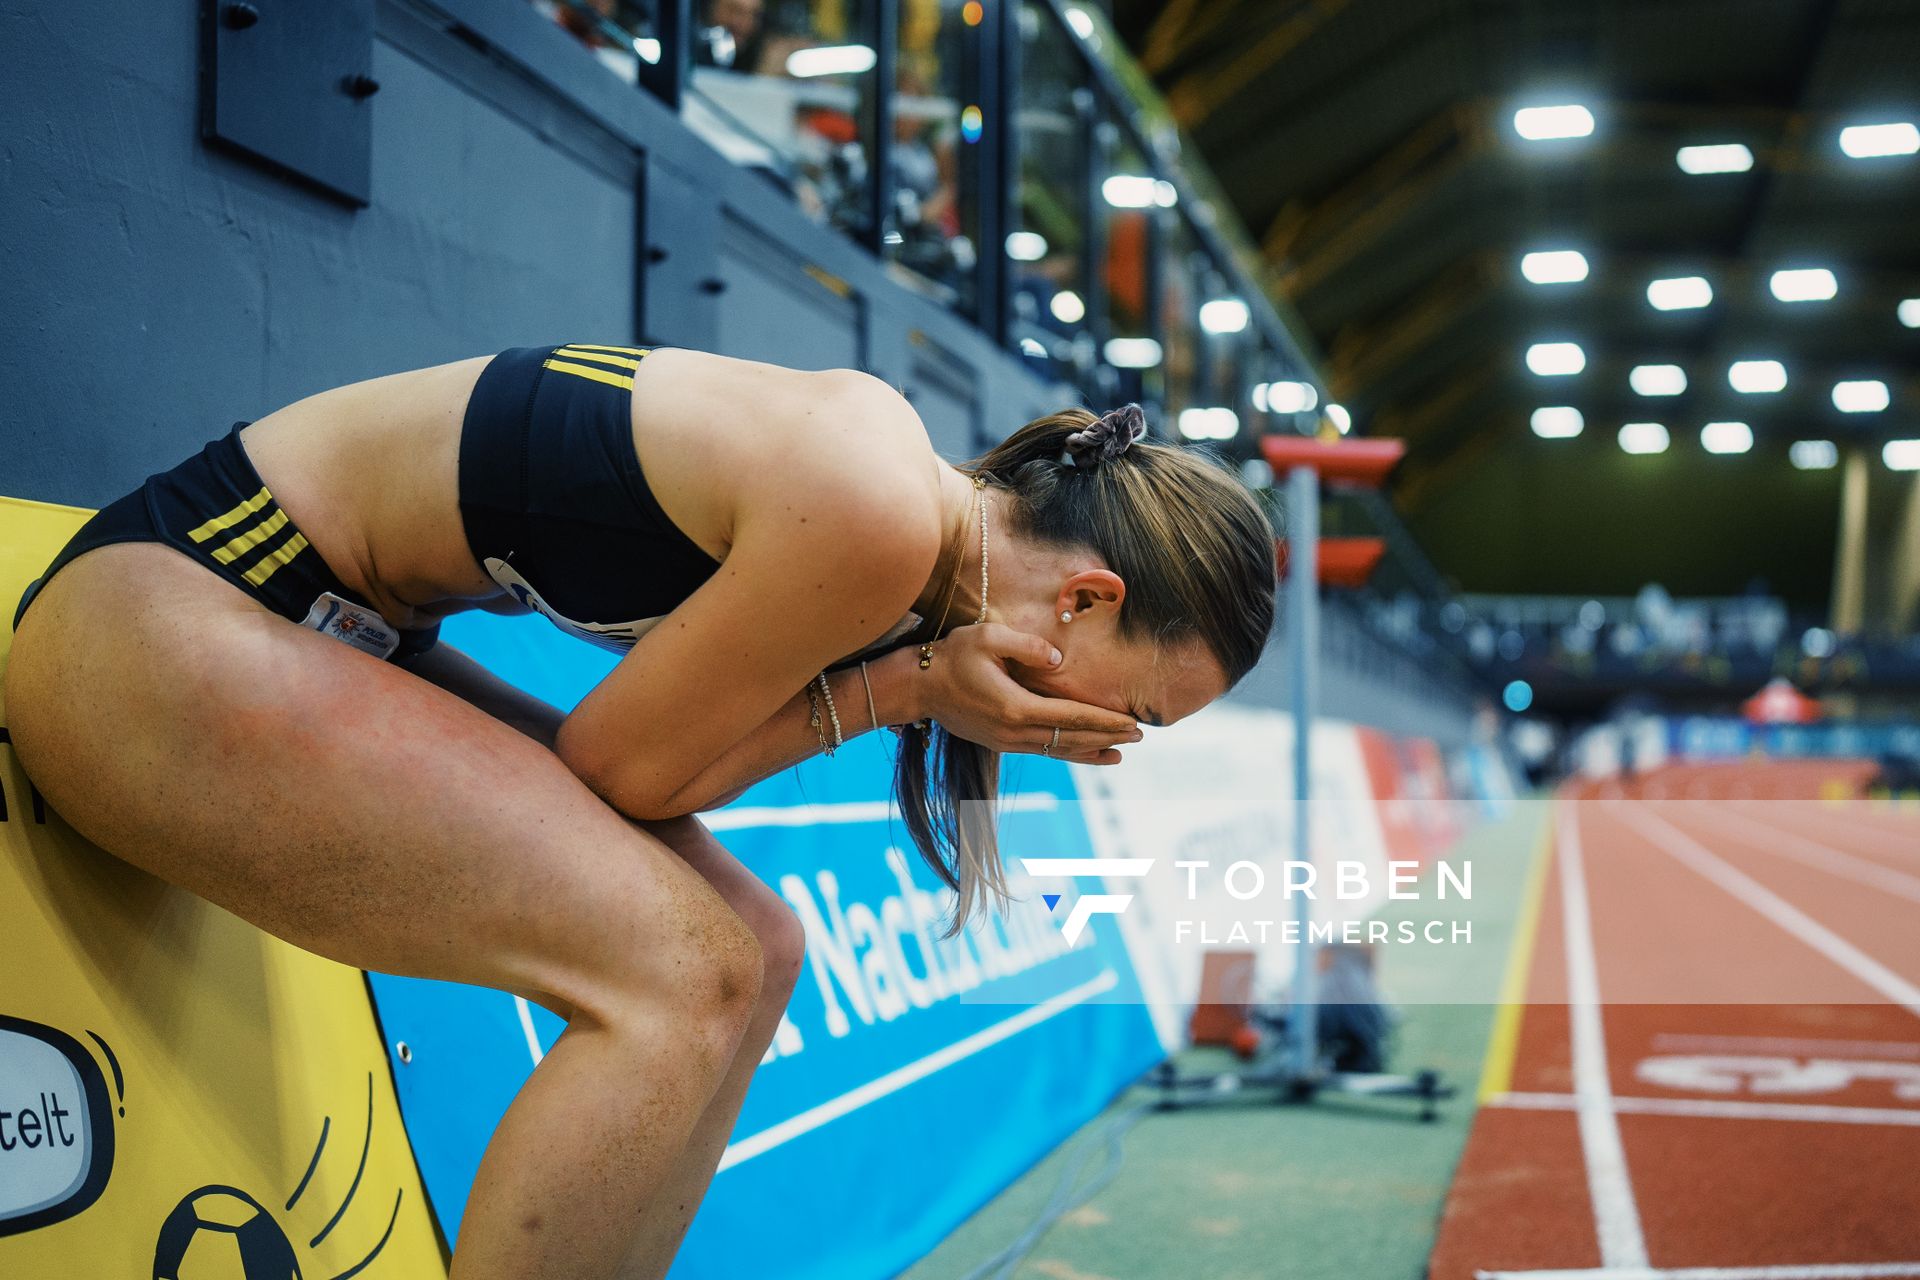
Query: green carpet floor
[[1341, 1189]]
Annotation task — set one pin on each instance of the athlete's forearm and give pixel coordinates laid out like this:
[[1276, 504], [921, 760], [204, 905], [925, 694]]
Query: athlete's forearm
[[788, 736]]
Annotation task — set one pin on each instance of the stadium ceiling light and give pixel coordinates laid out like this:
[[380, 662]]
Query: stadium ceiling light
[[1558, 422], [1026, 246], [1643, 437], [1868, 395], [1804, 284], [1033, 347], [1720, 157], [1133, 353], [1292, 397], [1814, 455], [1901, 455], [1726, 437], [1757, 377], [1080, 21], [646, 48], [1657, 379], [1224, 315], [1209, 423], [1342, 420], [1068, 307], [1862, 141], [1130, 191], [1909, 312], [1679, 293], [1542, 124], [1554, 266], [1556, 359], [830, 60]]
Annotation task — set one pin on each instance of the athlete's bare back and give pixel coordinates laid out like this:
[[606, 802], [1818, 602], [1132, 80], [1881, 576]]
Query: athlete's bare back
[[370, 471]]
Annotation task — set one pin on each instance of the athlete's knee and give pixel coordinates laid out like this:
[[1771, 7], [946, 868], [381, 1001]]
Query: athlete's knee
[[777, 930], [707, 974], [783, 949]]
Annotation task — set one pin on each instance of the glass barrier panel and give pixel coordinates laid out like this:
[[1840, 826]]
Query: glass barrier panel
[[786, 88], [1128, 196], [1046, 246], [1225, 326], [620, 33], [933, 226], [1179, 316]]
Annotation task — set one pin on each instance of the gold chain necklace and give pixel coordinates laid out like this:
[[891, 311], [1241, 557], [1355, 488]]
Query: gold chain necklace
[[980, 511]]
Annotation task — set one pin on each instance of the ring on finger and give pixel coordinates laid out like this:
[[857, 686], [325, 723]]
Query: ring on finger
[[1053, 744]]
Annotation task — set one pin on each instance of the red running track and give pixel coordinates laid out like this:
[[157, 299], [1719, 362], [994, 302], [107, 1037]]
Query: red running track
[[1716, 1073]]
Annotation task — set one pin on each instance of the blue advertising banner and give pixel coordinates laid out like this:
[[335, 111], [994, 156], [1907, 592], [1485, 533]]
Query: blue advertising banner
[[913, 1077], [1725, 738]]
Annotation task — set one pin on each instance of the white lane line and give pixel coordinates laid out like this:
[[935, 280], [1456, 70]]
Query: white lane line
[[1616, 1219], [1864, 826], [852, 811], [1718, 1108], [744, 1149], [1822, 857], [1808, 1271], [525, 1011], [1795, 1046], [1695, 856]]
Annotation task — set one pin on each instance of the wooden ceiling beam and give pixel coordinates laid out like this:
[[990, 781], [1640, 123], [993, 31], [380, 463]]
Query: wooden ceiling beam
[[1181, 27], [1420, 422], [1349, 239], [1424, 482], [1299, 223], [1360, 358], [1199, 93]]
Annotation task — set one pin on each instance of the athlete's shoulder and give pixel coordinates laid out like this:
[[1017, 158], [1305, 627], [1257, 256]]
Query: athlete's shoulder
[[846, 440]]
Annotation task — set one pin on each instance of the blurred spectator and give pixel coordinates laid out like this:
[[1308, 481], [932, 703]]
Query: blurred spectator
[[731, 35]]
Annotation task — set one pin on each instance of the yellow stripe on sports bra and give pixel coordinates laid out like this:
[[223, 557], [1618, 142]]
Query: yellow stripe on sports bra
[[601, 357], [232, 517], [624, 380], [274, 559], [602, 346], [251, 538]]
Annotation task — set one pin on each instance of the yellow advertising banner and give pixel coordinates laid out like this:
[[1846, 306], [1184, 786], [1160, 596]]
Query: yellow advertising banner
[[182, 1097]]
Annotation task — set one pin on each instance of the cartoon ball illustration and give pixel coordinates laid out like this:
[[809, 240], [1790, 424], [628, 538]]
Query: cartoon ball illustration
[[222, 1233]]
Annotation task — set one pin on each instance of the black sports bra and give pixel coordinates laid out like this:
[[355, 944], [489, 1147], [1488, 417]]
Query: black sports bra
[[556, 508]]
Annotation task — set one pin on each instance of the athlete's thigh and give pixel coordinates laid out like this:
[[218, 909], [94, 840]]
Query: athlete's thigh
[[328, 797]]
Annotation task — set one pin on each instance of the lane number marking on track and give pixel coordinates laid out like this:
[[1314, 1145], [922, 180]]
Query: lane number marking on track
[[1730, 1073]]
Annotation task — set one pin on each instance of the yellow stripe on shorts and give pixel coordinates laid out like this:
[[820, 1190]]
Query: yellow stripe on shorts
[[251, 538], [602, 346], [622, 380], [601, 357], [232, 517], [274, 559]]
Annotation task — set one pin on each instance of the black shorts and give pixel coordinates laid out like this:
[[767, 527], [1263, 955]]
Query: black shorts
[[216, 509]]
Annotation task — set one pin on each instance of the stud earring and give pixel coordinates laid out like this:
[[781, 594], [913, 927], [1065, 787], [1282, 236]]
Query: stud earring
[[1066, 615]]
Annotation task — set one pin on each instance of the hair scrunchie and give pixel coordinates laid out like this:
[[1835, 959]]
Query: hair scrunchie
[[1105, 439]]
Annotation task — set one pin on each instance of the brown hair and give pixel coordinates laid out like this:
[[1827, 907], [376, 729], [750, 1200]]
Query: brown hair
[[1191, 543]]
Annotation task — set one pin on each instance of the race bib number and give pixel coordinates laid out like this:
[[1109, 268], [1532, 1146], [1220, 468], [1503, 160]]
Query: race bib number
[[352, 624]]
